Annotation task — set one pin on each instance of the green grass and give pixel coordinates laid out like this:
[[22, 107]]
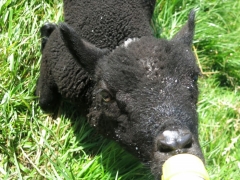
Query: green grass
[[33, 145]]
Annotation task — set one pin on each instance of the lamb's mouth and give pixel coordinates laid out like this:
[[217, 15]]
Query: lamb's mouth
[[158, 161], [162, 154]]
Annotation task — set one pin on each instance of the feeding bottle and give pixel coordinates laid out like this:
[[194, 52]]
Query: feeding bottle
[[184, 167]]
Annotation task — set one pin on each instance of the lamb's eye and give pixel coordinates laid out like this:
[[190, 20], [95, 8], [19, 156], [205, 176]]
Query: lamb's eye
[[106, 96]]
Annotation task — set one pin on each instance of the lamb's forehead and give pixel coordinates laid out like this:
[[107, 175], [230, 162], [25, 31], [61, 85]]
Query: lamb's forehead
[[146, 58]]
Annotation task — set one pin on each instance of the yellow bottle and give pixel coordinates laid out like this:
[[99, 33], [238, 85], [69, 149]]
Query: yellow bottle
[[184, 167]]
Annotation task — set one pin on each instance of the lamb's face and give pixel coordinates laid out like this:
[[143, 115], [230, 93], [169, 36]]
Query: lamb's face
[[145, 93], [145, 98]]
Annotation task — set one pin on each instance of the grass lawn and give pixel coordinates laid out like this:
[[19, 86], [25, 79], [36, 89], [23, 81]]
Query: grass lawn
[[35, 145]]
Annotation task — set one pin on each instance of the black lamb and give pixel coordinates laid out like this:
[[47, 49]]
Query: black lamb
[[138, 90]]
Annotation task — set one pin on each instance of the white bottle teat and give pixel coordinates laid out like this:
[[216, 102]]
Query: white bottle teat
[[184, 167]]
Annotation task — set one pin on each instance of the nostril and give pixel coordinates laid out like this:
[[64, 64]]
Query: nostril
[[165, 148], [185, 140], [172, 140]]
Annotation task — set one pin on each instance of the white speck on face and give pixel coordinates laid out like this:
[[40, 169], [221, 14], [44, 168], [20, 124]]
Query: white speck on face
[[129, 41], [150, 67]]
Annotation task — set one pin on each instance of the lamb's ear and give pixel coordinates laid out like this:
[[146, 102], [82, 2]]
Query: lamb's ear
[[186, 34], [84, 52]]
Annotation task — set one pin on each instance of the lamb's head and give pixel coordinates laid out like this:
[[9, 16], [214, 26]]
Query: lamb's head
[[145, 93]]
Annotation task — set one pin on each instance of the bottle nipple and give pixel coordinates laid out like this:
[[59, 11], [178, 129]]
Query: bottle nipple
[[184, 167]]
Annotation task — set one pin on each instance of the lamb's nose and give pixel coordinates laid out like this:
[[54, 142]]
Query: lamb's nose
[[172, 140]]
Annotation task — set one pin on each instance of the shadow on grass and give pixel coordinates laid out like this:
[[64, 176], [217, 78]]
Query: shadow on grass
[[104, 158]]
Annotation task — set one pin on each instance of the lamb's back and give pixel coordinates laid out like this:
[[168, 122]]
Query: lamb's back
[[108, 23]]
